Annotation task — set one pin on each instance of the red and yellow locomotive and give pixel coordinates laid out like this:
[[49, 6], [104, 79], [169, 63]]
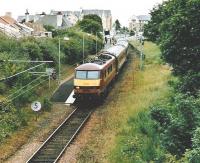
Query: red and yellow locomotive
[[93, 79]]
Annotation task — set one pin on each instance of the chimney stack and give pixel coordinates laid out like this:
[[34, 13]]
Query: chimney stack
[[27, 16]]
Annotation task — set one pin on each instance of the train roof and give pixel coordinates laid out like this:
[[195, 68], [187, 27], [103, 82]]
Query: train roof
[[89, 66], [116, 50], [123, 43], [97, 64]]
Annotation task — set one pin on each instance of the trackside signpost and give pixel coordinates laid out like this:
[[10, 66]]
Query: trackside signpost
[[36, 107]]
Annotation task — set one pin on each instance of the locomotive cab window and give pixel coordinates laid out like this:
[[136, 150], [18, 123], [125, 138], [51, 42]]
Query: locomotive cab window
[[93, 75], [81, 74], [87, 74]]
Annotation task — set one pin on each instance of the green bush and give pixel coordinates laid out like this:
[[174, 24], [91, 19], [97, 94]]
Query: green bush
[[11, 120], [31, 50], [47, 104], [160, 115], [193, 156], [140, 141], [190, 84], [2, 88], [178, 119]]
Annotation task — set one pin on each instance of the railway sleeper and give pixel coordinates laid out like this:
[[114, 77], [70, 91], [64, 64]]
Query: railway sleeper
[[49, 160], [54, 146]]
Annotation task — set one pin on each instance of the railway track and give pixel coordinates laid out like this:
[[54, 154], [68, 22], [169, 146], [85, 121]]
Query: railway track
[[53, 148]]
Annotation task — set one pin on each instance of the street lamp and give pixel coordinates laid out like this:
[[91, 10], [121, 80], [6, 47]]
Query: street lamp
[[141, 52], [59, 64], [96, 42], [84, 46]]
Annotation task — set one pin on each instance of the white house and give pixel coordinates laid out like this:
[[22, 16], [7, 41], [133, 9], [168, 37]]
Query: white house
[[12, 28], [136, 23]]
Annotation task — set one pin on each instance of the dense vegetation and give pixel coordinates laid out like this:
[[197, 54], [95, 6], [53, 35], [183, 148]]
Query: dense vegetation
[[175, 27], [18, 91], [172, 125]]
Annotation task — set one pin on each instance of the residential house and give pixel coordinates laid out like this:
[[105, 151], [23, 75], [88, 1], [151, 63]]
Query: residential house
[[57, 20], [11, 27], [38, 30], [136, 23], [71, 16]]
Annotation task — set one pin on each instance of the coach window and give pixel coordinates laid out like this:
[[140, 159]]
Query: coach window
[[105, 74]]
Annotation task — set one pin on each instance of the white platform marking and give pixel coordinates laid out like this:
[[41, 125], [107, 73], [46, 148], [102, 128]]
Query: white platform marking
[[70, 99]]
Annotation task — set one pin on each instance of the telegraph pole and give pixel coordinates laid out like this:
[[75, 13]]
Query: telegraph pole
[[141, 53], [59, 61], [83, 48], [96, 42]]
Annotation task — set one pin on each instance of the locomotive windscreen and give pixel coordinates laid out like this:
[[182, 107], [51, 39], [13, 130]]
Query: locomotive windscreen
[[87, 74]]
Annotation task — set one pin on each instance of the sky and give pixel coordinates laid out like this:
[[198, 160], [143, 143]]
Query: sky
[[121, 10]]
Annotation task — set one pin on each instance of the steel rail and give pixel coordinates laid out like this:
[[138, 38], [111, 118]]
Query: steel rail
[[72, 138], [51, 135], [55, 143]]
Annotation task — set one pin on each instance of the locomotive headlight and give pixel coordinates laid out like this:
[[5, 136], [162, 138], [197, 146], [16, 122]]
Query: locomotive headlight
[[77, 87]]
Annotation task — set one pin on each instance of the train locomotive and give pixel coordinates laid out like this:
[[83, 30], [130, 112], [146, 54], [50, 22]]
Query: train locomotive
[[93, 79]]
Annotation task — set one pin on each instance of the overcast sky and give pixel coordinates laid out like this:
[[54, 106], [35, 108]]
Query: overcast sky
[[121, 10]]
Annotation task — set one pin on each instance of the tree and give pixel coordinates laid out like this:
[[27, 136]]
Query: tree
[[117, 25], [132, 33], [49, 28], [175, 26], [93, 17], [91, 24]]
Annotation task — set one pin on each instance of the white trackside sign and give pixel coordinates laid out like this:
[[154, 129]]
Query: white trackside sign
[[36, 106]]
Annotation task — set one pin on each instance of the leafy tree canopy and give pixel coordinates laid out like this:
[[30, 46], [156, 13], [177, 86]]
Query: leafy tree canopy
[[175, 26], [94, 18], [91, 24], [117, 25]]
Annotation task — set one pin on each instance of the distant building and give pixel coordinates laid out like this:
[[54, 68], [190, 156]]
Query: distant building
[[71, 16], [136, 23], [56, 19], [11, 27], [38, 30], [74, 16], [66, 19]]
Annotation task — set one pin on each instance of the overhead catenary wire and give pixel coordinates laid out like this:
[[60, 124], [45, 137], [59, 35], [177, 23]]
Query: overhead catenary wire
[[27, 90], [8, 101], [21, 72], [24, 87], [27, 61]]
